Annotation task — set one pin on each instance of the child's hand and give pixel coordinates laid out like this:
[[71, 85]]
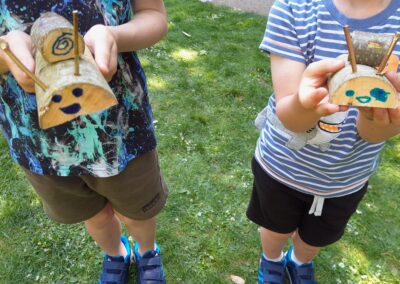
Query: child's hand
[[103, 46], [22, 46], [313, 94], [383, 117]]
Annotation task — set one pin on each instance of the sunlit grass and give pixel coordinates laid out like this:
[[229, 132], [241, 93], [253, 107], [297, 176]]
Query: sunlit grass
[[185, 54], [157, 84]]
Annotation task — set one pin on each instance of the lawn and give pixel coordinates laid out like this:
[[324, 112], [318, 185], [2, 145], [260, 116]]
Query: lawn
[[207, 82]]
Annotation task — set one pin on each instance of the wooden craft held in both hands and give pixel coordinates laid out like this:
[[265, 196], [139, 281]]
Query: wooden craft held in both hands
[[68, 83], [362, 82], [75, 85]]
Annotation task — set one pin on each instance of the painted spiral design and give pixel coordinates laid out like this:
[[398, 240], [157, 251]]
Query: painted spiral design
[[63, 44]]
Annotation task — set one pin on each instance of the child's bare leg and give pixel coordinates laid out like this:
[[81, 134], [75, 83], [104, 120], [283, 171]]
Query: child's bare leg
[[105, 229], [143, 231], [272, 243], [303, 252]]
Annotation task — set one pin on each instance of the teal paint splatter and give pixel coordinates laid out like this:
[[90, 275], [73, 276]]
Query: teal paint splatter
[[379, 94], [129, 100], [87, 138], [350, 93], [13, 127], [364, 99], [113, 8], [7, 21], [99, 144]]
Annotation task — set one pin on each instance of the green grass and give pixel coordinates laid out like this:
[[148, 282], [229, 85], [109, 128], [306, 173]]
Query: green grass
[[206, 90]]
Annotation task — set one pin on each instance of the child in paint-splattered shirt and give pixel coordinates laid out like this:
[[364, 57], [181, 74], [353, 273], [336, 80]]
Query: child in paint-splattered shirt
[[99, 168]]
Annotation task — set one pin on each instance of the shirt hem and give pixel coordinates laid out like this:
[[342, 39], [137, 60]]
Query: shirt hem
[[107, 172], [301, 188]]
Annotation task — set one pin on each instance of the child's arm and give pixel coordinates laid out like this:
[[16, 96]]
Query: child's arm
[[21, 45], [148, 26], [300, 91], [378, 124]]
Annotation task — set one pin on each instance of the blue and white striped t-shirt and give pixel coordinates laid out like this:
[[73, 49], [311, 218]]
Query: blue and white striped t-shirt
[[330, 159]]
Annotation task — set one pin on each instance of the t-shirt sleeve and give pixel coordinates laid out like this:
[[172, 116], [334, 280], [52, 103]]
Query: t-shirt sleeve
[[280, 36]]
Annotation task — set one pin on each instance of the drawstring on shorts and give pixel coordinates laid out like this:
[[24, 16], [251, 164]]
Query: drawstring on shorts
[[317, 206]]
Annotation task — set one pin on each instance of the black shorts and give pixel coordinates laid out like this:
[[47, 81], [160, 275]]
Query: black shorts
[[282, 209]]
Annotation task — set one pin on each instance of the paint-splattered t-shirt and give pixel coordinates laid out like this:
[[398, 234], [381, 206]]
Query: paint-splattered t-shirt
[[99, 144]]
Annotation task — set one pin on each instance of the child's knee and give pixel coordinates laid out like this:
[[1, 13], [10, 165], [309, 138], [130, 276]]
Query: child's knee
[[102, 217]]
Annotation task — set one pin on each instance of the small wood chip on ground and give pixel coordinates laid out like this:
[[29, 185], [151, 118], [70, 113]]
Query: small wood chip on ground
[[237, 280]]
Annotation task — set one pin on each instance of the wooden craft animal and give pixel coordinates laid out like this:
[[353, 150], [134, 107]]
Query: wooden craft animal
[[362, 82], [68, 83]]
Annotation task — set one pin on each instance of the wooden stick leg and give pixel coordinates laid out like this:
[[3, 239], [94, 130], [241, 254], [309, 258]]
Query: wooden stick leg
[[4, 46]]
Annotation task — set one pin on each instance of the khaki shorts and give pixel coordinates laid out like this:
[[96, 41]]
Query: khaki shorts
[[139, 192]]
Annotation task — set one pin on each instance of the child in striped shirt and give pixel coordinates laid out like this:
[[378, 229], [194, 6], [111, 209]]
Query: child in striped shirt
[[313, 159]]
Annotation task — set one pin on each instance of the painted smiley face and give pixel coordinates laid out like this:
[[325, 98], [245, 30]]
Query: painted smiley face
[[73, 108], [377, 94]]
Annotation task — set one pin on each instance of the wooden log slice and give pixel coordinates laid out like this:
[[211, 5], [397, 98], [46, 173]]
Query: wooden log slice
[[363, 88], [69, 96], [370, 48], [52, 35]]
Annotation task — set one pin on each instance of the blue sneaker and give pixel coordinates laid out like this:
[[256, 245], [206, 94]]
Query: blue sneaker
[[271, 272], [299, 274], [149, 266], [115, 269]]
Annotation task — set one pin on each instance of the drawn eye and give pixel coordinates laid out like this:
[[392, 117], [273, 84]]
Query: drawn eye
[[379, 94], [77, 92], [350, 93], [56, 98]]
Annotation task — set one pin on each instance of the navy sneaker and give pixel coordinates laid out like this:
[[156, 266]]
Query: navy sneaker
[[299, 274], [271, 272], [149, 266], [115, 269]]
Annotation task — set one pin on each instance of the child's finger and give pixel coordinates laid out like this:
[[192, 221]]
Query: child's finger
[[381, 116], [367, 112], [394, 115], [24, 54], [313, 97], [27, 86], [113, 63], [325, 109], [343, 108], [394, 78], [322, 68], [102, 54]]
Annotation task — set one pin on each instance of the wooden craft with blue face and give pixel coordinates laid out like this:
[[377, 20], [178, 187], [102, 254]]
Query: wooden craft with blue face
[[362, 81], [364, 88]]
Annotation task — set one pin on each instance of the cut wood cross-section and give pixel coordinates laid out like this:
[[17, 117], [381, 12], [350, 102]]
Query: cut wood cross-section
[[52, 35], [362, 88]]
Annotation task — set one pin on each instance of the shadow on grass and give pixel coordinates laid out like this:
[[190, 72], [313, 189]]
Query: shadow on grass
[[34, 248], [369, 251]]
